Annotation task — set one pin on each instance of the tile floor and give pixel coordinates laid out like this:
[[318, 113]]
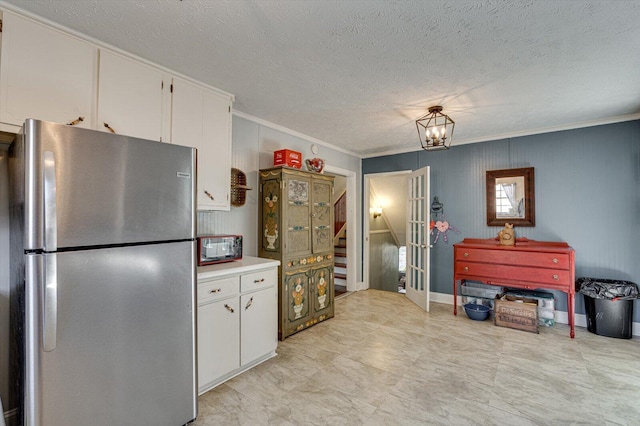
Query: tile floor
[[383, 361]]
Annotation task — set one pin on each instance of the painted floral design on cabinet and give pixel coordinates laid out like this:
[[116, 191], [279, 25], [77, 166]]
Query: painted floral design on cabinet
[[321, 277], [298, 298], [322, 290], [271, 215], [297, 286]]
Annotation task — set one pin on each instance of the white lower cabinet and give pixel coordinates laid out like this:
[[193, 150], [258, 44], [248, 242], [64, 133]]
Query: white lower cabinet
[[218, 340], [259, 327], [237, 319]]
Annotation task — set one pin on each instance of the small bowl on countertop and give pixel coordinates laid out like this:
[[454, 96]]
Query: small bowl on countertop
[[477, 312]]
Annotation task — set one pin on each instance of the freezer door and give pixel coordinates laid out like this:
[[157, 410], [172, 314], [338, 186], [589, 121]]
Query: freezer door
[[87, 188], [111, 340]]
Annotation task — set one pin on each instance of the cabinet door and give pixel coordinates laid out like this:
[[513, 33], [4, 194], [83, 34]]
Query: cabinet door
[[45, 74], [296, 310], [321, 217], [129, 97], [297, 215], [270, 213], [201, 118], [218, 340], [259, 324], [322, 290]]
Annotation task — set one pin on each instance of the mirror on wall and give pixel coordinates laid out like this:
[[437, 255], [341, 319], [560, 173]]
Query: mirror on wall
[[510, 197]]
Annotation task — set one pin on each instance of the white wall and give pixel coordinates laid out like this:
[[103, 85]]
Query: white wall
[[339, 186], [254, 142]]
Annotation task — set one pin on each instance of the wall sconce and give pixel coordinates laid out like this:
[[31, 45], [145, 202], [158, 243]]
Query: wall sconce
[[435, 129], [377, 212]]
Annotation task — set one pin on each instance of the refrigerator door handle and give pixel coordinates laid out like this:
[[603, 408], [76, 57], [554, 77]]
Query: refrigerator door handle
[[49, 195], [50, 302]]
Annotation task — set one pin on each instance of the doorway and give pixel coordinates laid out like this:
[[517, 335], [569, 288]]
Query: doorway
[[385, 201], [345, 243]]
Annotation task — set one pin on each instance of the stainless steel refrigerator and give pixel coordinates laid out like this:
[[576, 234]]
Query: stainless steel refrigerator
[[102, 278]]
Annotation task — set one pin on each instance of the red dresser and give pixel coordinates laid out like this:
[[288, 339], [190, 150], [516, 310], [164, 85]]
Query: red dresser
[[529, 264]]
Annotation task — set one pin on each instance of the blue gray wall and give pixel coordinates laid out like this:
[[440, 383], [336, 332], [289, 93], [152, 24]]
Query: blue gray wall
[[587, 188]]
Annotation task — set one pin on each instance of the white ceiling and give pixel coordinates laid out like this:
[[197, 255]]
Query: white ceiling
[[357, 73]]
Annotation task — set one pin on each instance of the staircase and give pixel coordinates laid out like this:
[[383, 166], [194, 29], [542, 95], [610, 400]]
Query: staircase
[[340, 244], [340, 263]]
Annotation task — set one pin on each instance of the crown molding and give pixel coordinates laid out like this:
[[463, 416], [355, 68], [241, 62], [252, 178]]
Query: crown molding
[[530, 132], [288, 131]]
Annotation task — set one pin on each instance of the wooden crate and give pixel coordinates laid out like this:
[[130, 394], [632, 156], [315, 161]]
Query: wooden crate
[[516, 312], [287, 157]]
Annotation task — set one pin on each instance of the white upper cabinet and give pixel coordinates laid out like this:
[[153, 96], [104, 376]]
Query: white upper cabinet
[[201, 118], [130, 97], [50, 75], [45, 74]]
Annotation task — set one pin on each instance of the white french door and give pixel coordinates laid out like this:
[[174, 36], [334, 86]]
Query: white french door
[[417, 278]]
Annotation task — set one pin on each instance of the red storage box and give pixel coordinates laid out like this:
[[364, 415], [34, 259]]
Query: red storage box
[[287, 157]]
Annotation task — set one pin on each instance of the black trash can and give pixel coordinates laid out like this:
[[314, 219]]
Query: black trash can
[[609, 306]]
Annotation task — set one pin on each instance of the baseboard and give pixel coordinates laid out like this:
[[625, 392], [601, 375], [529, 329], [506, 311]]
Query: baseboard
[[562, 317]]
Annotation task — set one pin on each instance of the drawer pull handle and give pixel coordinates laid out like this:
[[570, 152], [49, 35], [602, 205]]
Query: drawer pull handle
[[249, 303], [555, 260], [466, 269], [229, 308], [76, 121], [215, 290], [208, 194], [109, 128], [466, 255], [261, 280], [556, 277]]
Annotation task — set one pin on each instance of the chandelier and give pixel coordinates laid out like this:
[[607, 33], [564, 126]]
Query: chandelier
[[435, 129]]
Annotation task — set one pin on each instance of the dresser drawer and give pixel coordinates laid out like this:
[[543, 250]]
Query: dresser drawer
[[217, 289], [516, 258], [500, 274], [257, 280]]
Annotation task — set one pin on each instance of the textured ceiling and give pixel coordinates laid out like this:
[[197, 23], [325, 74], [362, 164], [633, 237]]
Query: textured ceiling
[[357, 73]]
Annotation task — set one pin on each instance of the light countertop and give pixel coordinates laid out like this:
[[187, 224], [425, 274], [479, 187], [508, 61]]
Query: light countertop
[[246, 264]]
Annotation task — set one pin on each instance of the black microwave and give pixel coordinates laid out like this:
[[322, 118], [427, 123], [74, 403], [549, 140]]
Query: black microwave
[[219, 248]]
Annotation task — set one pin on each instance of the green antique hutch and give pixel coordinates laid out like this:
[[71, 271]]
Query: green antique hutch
[[296, 228]]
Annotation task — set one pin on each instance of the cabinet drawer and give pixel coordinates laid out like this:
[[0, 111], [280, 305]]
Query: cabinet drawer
[[505, 273], [510, 257], [217, 289], [257, 280]]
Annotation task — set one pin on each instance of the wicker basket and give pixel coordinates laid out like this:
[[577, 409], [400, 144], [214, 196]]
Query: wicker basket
[[239, 187]]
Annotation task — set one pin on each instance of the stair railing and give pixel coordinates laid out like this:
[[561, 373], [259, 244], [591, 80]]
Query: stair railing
[[340, 214]]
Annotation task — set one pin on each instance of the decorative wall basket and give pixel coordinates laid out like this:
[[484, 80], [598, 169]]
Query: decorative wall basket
[[239, 187]]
